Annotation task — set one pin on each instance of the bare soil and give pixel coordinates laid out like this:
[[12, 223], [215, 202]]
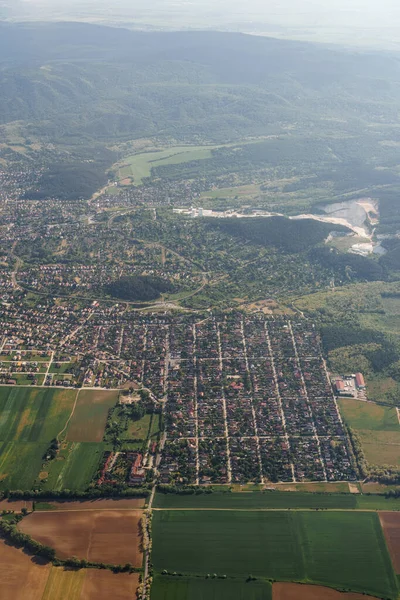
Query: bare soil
[[20, 577], [15, 505], [103, 585], [109, 536], [390, 522]]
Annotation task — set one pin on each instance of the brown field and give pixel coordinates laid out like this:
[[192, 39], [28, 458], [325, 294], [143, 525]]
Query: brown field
[[298, 591], [337, 486], [20, 577], [101, 504], [109, 536], [15, 505], [103, 585], [390, 522], [90, 416]]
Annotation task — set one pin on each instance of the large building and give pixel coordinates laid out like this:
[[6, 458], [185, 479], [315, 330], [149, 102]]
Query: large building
[[360, 383]]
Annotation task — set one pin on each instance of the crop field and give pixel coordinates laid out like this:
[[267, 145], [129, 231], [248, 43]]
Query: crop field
[[33, 415], [251, 500], [378, 428], [390, 522], [20, 577], [74, 467], [64, 584], [109, 536], [338, 549], [138, 166], [296, 591], [19, 464], [90, 416], [105, 585], [185, 588]]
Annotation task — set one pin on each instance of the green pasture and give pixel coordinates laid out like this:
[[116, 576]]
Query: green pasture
[[75, 466], [345, 550], [138, 166], [33, 414], [184, 588], [366, 415], [20, 463]]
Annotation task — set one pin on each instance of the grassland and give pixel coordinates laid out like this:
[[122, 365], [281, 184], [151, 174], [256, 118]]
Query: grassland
[[90, 416], [378, 429], [74, 467], [186, 588], [33, 415], [338, 549], [19, 464], [135, 168]]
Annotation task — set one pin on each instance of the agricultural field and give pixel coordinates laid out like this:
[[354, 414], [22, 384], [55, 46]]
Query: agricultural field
[[20, 462], [378, 428], [100, 504], [338, 549], [135, 168], [109, 536], [185, 588], [275, 500], [74, 468], [296, 591], [89, 419], [64, 584], [390, 522], [33, 415], [21, 578]]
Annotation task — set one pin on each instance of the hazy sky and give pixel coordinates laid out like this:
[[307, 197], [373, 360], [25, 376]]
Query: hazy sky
[[365, 18]]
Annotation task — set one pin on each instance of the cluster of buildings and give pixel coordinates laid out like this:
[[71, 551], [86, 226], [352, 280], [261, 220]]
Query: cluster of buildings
[[250, 400], [350, 386]]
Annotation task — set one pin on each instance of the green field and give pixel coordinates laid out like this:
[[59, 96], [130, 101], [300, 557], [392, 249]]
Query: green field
[[32, 414], [138, 166], [75, 466], [339, 549], [275, 500], [378, 429], [184, 588], [90, 416], [20, 462]]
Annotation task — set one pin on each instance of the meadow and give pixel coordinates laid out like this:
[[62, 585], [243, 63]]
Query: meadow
[[138, 166], [20, 462], [378, 429], [74, 467], [186, 588], [338, 549]]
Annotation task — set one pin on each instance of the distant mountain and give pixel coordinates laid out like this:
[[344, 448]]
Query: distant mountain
[[68, 78]]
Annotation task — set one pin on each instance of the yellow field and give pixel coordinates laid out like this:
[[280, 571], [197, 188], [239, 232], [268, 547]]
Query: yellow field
[[64, 584]]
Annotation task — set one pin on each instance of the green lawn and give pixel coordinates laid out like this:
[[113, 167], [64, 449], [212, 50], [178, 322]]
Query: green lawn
[[75, 466], [20, 463], [339, 549], [32, 414], [184, 588]]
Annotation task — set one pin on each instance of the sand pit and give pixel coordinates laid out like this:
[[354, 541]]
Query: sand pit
[[296, 591], [20, 577], [390, 522], [108, 536], [103, 585]]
